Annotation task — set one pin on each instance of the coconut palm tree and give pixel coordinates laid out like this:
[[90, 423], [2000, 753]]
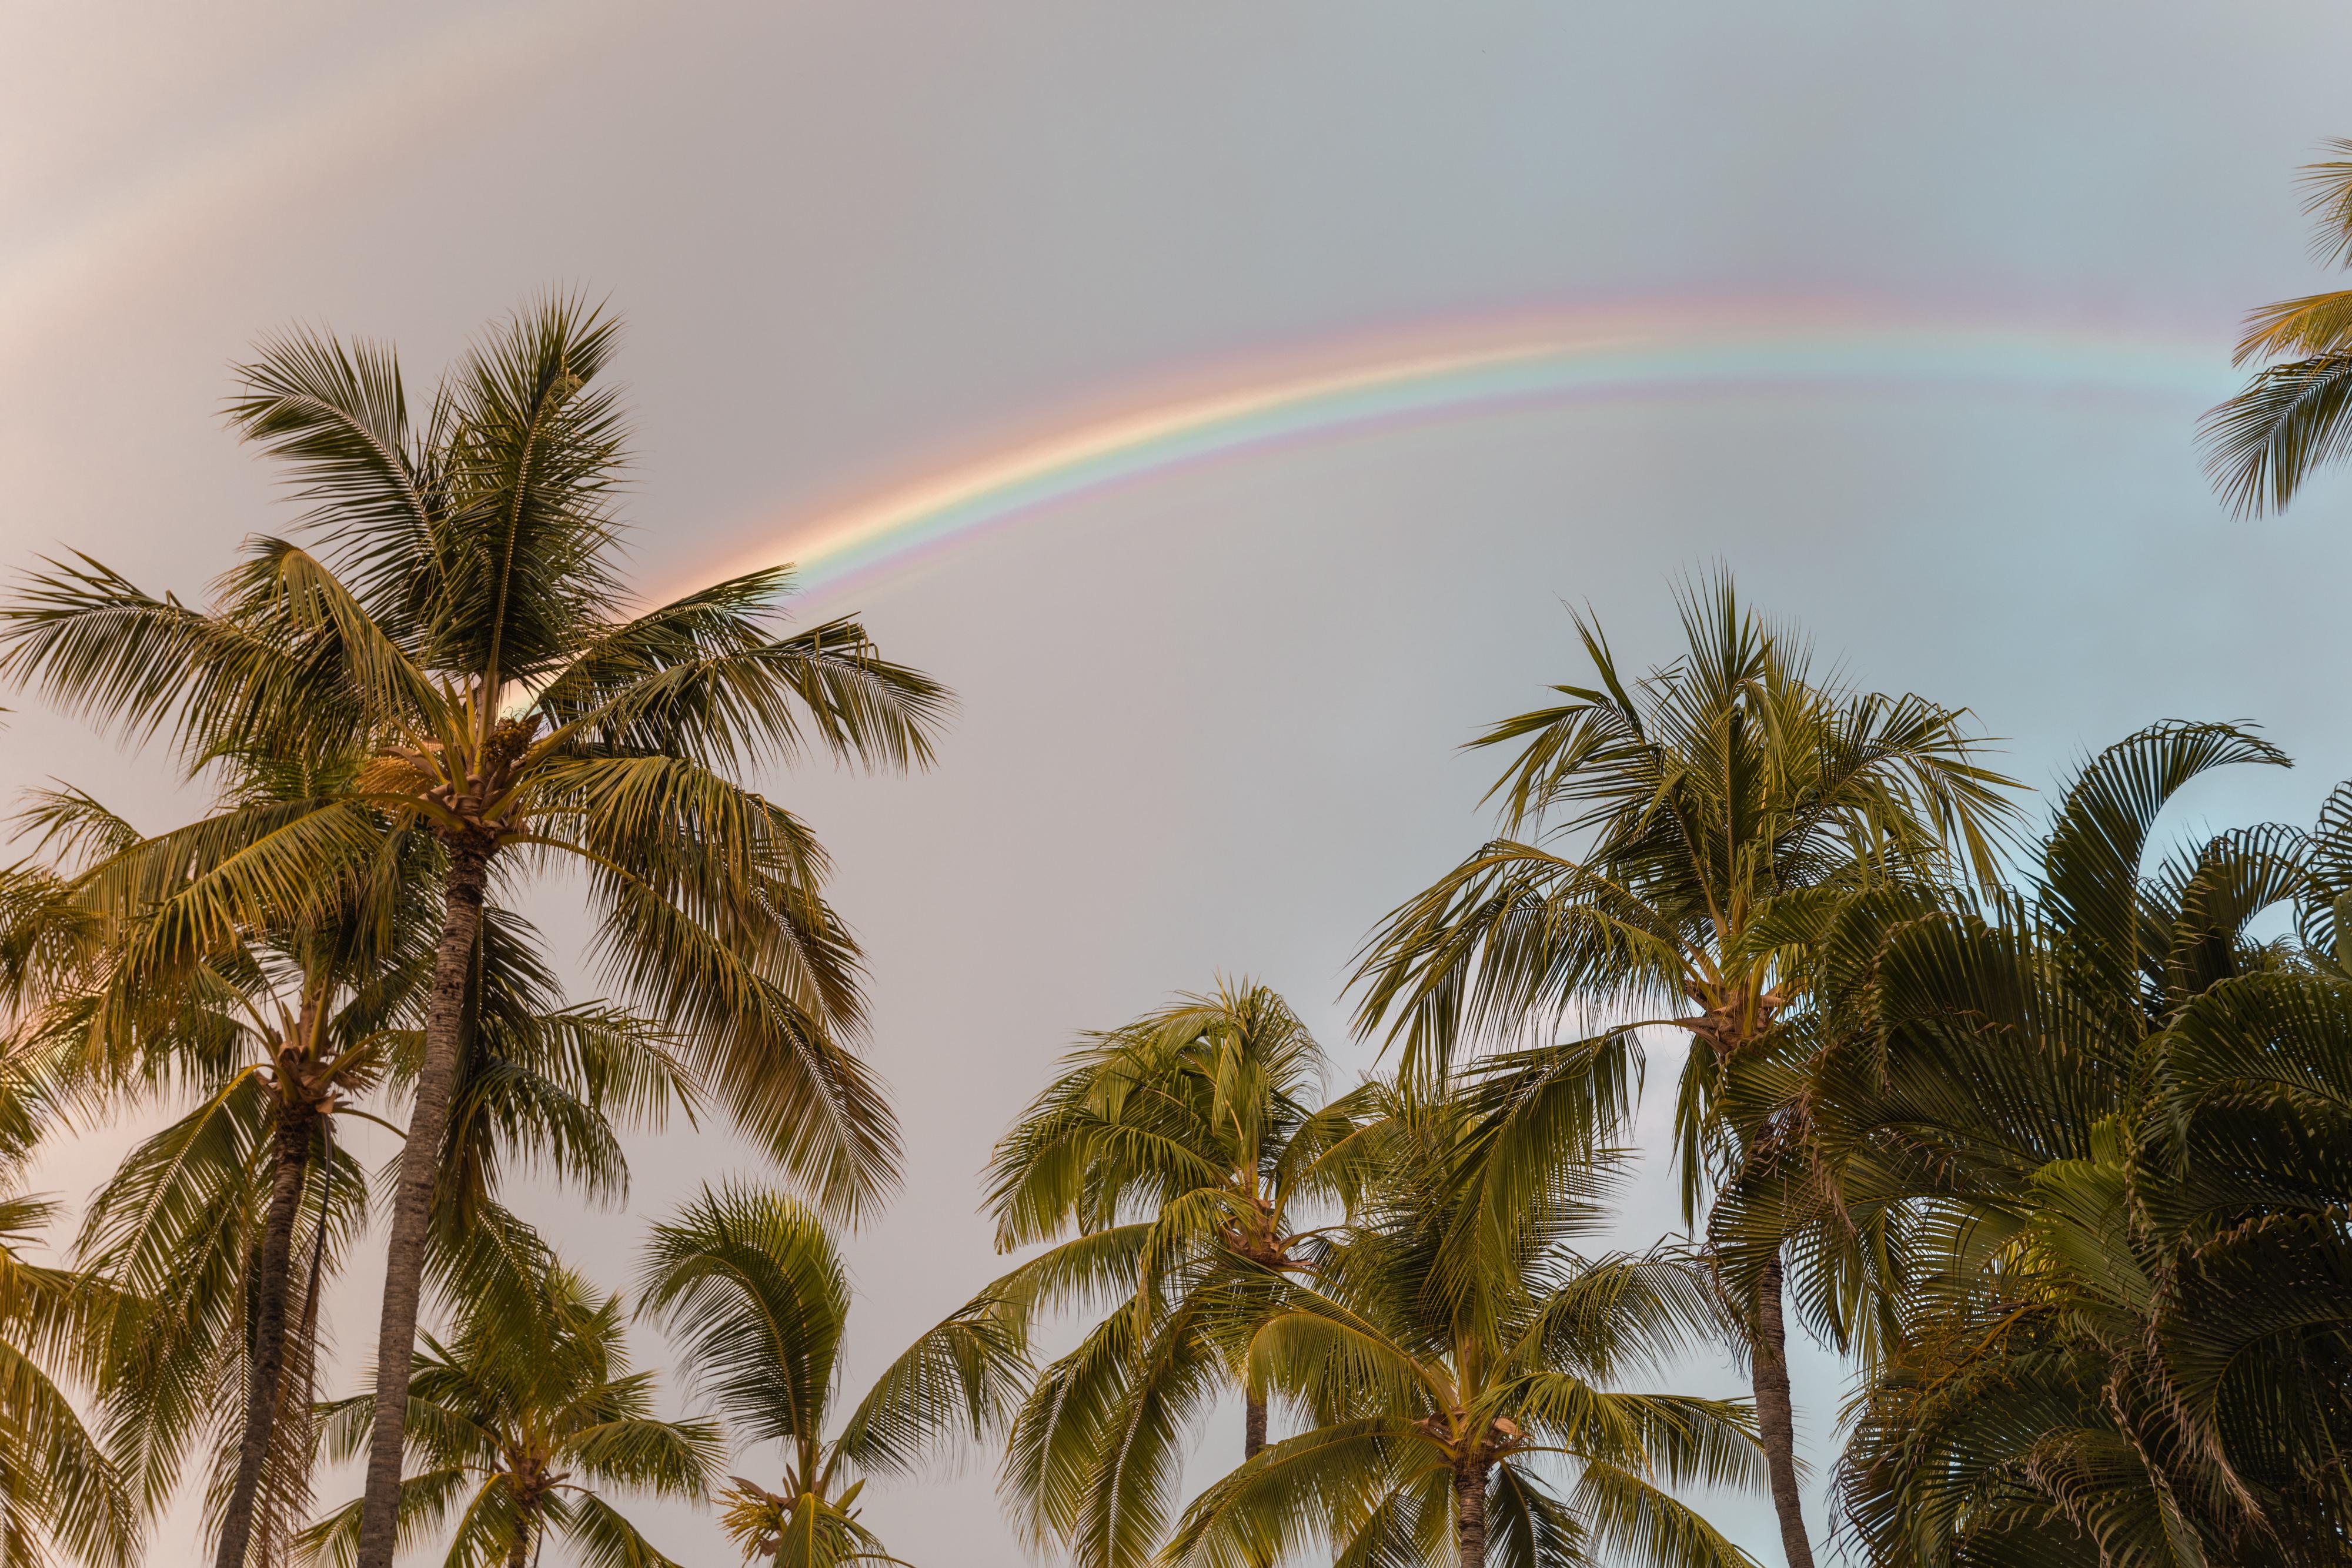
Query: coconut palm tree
[[457, 628], [754, 1293], [222, 1228], [1659, 843], [523, 1424], [2113, 1125], [1172, 1160], [2294, 416], [1457, 1366]]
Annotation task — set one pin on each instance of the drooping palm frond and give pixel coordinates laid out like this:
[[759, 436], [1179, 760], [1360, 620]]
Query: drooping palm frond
[[61, 1493], [2290, 420]]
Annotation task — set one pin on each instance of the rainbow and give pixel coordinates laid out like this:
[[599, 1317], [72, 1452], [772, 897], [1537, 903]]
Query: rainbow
[[1623, 356]]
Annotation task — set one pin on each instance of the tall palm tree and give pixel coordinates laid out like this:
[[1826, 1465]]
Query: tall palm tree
[[215, 1227], [1658, 842], [455, 628], [522, 1434], [1172, 1158], [2294, 416], [755, 1294], [2115, 1124], [1457, 1366]]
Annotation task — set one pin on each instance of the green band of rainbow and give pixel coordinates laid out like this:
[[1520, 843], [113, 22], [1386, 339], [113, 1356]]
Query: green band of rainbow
[[1697, 354]]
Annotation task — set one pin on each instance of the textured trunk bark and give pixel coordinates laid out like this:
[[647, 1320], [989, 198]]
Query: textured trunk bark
[[1775, 1421], [1470, 1516], [412, 1212], [273, 1268], [1252, 1427]]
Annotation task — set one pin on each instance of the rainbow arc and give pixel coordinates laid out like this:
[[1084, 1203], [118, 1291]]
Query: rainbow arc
[[1694, 352]]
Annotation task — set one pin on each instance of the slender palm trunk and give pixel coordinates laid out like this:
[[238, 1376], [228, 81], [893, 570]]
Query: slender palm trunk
[[412, 1212], [1470, 1514], [1775, 1421], [1252, 1427], [272, 1269]]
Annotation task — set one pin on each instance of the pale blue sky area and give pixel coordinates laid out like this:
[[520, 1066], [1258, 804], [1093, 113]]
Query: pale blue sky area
[[1208, 718]]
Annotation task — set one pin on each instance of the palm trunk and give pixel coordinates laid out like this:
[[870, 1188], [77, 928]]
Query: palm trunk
[[412, 1212], [272, 1269], [1252, 1427], [1470, 1514], [1775, 1421]]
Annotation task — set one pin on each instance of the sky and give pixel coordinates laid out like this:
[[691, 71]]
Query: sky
[[1211, 707]]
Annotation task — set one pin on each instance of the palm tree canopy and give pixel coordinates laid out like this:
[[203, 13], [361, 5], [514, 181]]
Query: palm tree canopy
[[455, 632], [2105, 1121], [1659, 835], [519, 1425], [1453, 1364], [753, 1291], [1169, 1158], [61, 1493]]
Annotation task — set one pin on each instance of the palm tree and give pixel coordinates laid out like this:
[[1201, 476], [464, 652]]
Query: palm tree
[[1659, 844], [755, 1294], [522, 1424], [456, 631], [2294, 416], [202, 1225], [1455, 1361], [1172, 1158], [2112, 1126]]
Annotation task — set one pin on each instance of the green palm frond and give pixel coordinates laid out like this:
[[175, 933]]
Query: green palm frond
[[1288, 1496], [522, 1419], [1456, 1374], [754, 1293], [1632, 1521], [961, 1378], [1179, 1167], [60, 1489], [2290, 420]]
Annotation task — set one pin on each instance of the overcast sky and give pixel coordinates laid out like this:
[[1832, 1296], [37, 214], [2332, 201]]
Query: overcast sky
[[1208, 718]]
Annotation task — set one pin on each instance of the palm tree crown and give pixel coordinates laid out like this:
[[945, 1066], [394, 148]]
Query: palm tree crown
[[523, 1422], [754, 1292], [2110, 1122], [1171, 1159], [1455, 1361]]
